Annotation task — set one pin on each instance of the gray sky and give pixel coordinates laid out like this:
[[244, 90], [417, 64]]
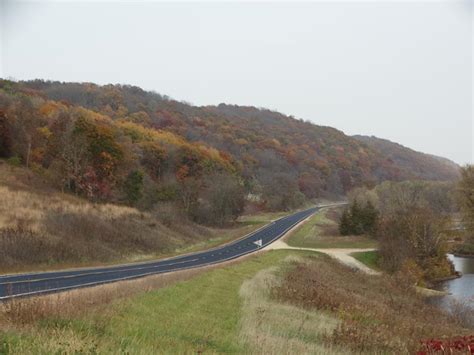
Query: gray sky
[[400, 70]]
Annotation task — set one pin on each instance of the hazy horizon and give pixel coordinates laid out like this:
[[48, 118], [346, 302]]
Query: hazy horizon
[[399, 71]]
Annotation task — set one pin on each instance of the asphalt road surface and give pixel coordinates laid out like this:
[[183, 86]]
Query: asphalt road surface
[[21, 285]]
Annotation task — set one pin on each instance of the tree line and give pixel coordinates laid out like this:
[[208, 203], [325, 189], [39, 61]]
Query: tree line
[[275, 152], [122, 144], [410, 220], [89, 154]]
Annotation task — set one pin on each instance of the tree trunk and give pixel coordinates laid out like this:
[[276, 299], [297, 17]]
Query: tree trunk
[[28, 155]]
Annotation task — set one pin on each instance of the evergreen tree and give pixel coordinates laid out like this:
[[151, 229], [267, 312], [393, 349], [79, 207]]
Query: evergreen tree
[[133, 187], [369, 218], [345, 227], [357, 219]]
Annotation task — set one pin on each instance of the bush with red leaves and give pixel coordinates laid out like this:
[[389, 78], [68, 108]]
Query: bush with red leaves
[[458, 345]]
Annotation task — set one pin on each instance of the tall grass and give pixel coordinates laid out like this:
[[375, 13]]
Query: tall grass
[[271, 327], [43, 228], [378, 314]]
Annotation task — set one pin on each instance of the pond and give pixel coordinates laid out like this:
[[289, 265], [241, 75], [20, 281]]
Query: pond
[[460, 289]]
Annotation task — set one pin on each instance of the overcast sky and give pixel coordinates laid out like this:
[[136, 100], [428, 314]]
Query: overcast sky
[[400, 70]]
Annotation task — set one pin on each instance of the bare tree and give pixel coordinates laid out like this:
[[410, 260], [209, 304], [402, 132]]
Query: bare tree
[[74, 158], [465, 197]]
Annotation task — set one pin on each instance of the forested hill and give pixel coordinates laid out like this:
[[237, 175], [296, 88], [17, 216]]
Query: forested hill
[[138, 137], [430, 167]]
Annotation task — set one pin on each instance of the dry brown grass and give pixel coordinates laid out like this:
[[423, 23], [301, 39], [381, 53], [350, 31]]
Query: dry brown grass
[[378, 314], [41, 228], [462, 312], [333, 215], [38, 230], [27, 311], [271, 327]]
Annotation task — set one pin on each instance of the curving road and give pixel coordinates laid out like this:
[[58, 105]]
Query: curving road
[[21, 285]]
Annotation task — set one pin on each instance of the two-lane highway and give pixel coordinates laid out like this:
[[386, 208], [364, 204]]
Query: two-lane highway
[[20, 285]]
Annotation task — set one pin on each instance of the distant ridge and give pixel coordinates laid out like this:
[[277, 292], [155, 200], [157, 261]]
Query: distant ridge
[[269, 152], [430, 167]]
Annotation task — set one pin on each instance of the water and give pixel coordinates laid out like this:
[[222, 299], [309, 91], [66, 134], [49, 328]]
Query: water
[[460, 289]]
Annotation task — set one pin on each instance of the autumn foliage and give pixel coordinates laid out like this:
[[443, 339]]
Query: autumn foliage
[[88, 139], [90, 154], [456, 345]]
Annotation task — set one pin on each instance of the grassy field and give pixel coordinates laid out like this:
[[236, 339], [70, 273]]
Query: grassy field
[[369, 258], [291, 302], [225, 310], [321, 231]]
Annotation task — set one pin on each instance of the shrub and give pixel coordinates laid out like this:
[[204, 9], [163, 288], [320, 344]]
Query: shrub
[[221, 202], [167, 192], [414, 235], [456, 345], [378, 314], [437, 267], [133, 187], [465, 249], [14, 161], [410, 274], [23, 246]]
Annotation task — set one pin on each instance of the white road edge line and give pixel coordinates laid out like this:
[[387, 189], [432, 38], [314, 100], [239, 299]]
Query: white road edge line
[[156, 273]]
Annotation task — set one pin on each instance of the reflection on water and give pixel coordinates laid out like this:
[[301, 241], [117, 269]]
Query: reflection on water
[[465, 265], [460, 289]]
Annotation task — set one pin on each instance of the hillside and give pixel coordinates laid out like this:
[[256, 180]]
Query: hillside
[[42, 228], [122, 144], [430, 167]]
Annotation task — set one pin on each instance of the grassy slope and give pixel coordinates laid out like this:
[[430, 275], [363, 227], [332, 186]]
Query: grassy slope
[[219, 311], [321, 232], [280, 301], [276, 302], [41, 228], [378, 314], [369, 258], [270, 326]]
